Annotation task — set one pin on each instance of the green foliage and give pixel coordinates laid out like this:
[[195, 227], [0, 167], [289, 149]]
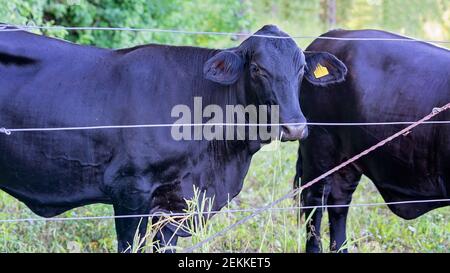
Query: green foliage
[[203, 15], [428, 19]]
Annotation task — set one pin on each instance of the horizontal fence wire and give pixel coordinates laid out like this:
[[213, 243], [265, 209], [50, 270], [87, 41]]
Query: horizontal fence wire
[[229, 211], [349, 161], [9, 131], [10, 27]]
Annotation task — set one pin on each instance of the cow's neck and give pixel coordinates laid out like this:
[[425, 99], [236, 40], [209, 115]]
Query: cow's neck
[[223, 95]]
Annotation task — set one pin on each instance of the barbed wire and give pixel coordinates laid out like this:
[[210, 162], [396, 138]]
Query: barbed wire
[[4, 28]]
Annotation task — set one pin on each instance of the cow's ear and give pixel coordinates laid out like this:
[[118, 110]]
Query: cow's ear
[[323, 68], [225, 68]]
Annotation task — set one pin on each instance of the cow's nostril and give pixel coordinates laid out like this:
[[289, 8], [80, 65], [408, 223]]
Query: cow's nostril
[[285, 130], [293, 132]]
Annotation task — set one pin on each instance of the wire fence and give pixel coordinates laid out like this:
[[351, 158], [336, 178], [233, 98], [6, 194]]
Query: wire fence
[[216, 212], [254, 211], [9, 131], [9, 27], [294, 192]]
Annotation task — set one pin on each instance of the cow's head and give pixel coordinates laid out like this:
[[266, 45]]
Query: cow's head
[[272, 70]]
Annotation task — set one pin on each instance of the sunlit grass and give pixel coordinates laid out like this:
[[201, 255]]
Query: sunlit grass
[[370, 229]]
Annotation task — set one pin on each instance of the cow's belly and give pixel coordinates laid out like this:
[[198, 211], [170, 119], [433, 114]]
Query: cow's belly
[[397, 182], [51, 175], [411, 167], [49, 195]]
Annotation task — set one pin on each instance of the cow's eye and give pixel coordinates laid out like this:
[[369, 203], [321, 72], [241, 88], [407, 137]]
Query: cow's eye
[[254, 68], [128, 171]]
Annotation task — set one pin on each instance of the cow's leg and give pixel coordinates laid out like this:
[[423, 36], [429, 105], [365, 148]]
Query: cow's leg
[[165, 240], [127, 228], [317, 155], [313, 196], [343, 185]]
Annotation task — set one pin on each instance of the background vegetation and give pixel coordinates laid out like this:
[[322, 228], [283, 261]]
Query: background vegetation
[[428, 19], [371, 229]]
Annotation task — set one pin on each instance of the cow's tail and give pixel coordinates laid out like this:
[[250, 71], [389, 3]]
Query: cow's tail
[[298, 171]]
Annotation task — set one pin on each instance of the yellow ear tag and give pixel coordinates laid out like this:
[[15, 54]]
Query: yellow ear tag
[[321, 71]]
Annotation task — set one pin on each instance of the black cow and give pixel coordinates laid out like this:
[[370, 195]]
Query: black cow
[[46, 82], [386, 81]]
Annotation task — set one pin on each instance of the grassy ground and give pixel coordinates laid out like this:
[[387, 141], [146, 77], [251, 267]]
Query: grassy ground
[[370, 229]]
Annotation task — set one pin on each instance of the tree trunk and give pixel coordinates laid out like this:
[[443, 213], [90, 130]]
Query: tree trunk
[[331, 13]]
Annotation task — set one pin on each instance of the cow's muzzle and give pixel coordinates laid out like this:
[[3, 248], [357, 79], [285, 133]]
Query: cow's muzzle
[[294, 132]]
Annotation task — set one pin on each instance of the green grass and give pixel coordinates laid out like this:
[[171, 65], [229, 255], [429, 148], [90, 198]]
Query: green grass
[[370, 229]]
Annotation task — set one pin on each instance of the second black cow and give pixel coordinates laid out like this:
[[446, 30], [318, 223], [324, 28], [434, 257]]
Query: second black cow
[[387, 81]]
